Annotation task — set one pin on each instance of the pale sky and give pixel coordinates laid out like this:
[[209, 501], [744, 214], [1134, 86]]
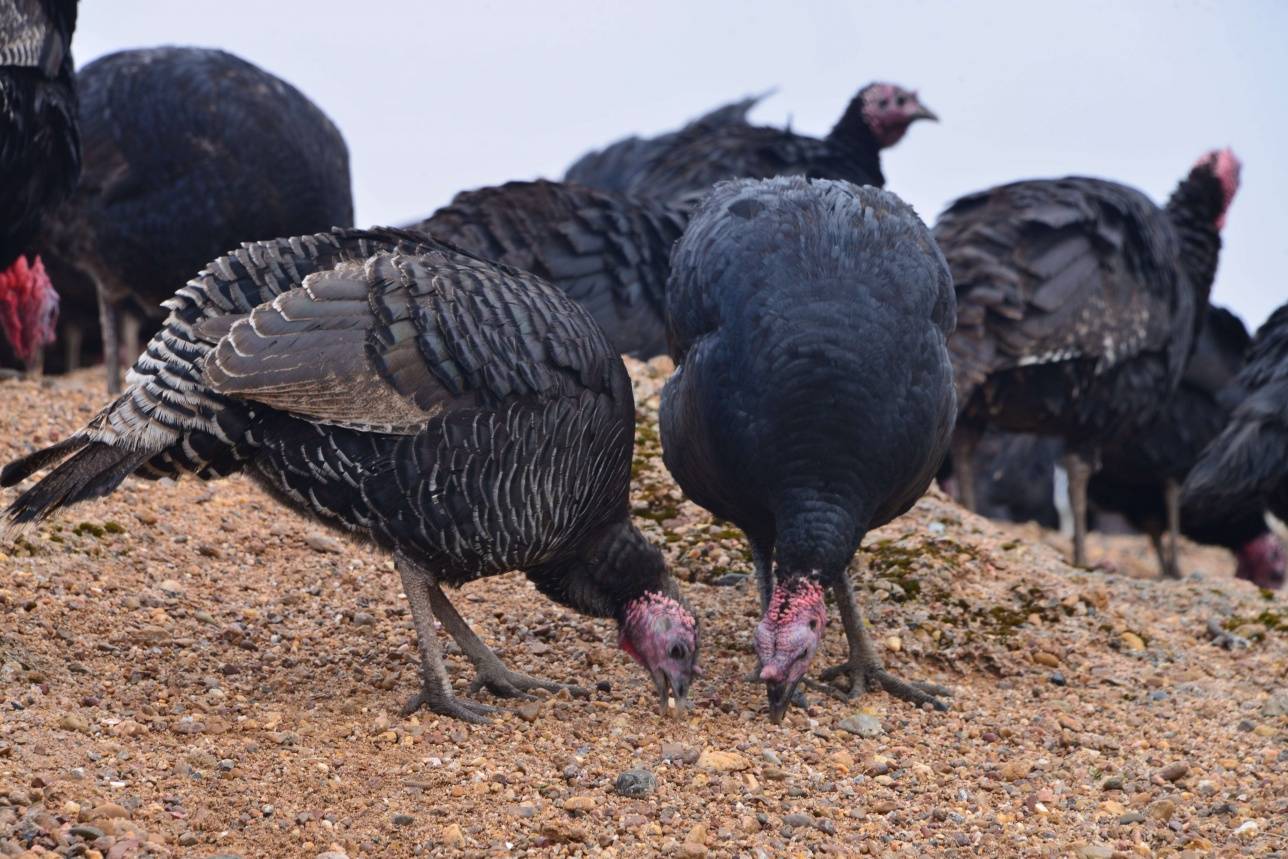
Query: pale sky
[[437, 97]]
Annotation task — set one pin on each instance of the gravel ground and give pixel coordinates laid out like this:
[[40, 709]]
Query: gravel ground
[[190, 670]]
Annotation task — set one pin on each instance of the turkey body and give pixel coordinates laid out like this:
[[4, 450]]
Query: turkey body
[[689, 168], [618, 167], [1015, 477], [609, 252], [187, 153], [1248, 461], [813, 396], [1139, 473], [1078, 304], [683, 166], [40, 156], [467, 417]]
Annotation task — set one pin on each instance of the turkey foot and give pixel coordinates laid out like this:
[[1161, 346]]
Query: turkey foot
[[864, 668], [447, 704], [862, 676], [504, 683], [491, 671]]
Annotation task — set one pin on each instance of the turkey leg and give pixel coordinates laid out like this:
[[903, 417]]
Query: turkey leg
[[1172, 500], [864, 668], [1079, 469], [436, 690], [492, 674]]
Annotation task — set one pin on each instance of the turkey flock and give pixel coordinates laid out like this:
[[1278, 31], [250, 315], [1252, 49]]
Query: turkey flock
[[452, 390]]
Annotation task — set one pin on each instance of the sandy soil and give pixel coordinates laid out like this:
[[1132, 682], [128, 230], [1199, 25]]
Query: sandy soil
[[190, 670]]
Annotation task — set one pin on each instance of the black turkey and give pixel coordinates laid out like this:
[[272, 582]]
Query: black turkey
[[616, 167], [609, 252], [40, 160], [813, 395], [189, 152], [876, 118], [1078, 304], [1141, 477], [1248, 461], [465, 416]]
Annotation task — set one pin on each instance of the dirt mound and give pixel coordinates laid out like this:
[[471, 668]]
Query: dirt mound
[[190, 670]]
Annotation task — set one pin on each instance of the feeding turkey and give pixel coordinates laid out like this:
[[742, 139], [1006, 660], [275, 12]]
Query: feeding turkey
[[465, 416], [812, 399]]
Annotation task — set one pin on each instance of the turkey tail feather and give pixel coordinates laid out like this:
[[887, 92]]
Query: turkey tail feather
[[93, 471], [22, 468]]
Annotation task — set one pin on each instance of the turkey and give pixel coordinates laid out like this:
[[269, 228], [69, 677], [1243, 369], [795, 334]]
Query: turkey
[[876, 118], [1141, 477], [40, 161], [813, 396], [608, 252], [1078, 304], [188, 153], [616, 167], [465, 416], [1248, 461]]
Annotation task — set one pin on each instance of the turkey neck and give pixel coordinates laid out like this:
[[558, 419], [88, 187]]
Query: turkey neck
[[1193, 209], [852, 141], [816, 538], [611, 568]]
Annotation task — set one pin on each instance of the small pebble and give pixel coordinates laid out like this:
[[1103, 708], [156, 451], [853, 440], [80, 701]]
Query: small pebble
[[403, 820], [863, 724], [636, 782]]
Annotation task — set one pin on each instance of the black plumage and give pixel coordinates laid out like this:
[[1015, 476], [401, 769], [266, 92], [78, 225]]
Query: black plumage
[[1140, 476], [616, 168], [466, 416], [877, 117], [1078, 304], [40, 156], [1248, 461], [607, 251], [1015, 477], [813, 396], [187, 153]]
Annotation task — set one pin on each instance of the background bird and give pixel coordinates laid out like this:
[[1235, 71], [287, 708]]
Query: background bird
[[1141, 476], [813, 396], [609, 252], [189, 152], [40, 161], [876, 118], [1014, 477], [466, 416], [1249, 459], [1078, 304], [617, 167]]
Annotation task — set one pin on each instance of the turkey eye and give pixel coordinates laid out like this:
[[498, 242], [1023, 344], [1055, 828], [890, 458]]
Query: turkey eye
[[900, 100], [813, 624], [677, 652], [883, 103]]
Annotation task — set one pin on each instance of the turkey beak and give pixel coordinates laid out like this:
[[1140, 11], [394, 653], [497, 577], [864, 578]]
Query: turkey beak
[[668, 687], [923, 112], [780, 698]]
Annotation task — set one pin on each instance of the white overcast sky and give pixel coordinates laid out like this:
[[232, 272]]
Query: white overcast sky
[[435, 97]]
